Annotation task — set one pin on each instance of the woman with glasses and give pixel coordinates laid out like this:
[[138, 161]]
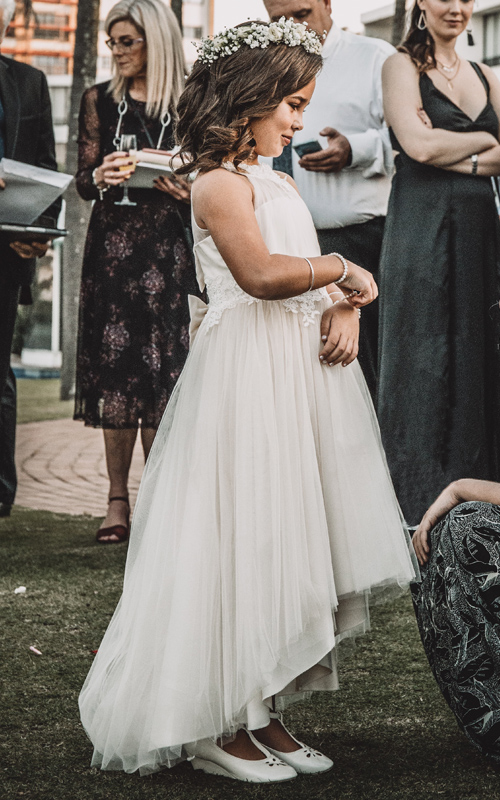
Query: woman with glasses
[[137, 267]]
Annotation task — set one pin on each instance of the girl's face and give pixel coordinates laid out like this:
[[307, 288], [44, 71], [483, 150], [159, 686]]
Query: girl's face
[[447, 19], [274, 132], [130, 56]]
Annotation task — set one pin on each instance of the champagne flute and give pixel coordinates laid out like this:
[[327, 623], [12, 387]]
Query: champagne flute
[[128, 144]]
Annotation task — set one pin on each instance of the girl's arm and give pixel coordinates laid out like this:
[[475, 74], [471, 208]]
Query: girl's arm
[[461, 491], [223, 204], [402, 102]]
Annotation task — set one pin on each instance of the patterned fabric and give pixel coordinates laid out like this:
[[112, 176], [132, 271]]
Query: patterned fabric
[[458, 614], [137, 272]]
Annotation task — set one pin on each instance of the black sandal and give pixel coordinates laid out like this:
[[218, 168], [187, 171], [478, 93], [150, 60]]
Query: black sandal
[[121, 532]]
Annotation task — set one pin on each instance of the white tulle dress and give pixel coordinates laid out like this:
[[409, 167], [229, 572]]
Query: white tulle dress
[[266, 517]]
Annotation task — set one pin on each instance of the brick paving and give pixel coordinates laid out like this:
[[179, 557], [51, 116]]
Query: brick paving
[[61, 467]]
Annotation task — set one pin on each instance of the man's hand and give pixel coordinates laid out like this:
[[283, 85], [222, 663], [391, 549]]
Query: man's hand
[[30, 250], [2, 183], [333, 158]]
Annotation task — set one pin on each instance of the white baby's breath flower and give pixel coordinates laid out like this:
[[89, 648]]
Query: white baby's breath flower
[[285, 31]]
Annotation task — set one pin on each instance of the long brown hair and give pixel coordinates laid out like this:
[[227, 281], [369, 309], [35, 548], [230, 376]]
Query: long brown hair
[[419, 45], [220, 100]]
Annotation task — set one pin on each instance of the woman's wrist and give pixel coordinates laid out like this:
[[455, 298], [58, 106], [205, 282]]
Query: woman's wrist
[[344, 268], [98, 178]]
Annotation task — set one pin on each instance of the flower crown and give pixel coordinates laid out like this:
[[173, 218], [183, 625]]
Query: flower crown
[[285, 31]]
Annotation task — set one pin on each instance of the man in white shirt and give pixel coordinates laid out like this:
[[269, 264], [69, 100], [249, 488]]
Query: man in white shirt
[[345, 185]]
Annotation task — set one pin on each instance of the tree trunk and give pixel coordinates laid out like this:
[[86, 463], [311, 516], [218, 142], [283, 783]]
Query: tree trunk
[[177, 9], [77, 210], [398, 22]]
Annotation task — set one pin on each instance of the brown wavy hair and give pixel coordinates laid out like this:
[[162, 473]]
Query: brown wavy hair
[[419, 45], [221, 99]]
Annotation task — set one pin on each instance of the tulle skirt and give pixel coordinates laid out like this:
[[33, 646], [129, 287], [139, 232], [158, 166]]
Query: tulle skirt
[[265, 518]]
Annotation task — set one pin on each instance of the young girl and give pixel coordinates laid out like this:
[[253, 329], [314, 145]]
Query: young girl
[[266, 515]]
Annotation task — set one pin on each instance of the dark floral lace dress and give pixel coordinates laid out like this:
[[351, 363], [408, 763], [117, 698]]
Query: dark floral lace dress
[[458, 613], [137, 272]]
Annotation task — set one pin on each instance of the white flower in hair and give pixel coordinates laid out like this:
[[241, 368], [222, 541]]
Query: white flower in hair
[[285, 31]]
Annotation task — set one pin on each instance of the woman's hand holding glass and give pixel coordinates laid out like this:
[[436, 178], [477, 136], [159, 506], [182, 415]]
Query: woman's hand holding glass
[[115, 169]]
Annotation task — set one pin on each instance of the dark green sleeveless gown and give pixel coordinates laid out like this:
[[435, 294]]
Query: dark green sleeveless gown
[[439, 372]]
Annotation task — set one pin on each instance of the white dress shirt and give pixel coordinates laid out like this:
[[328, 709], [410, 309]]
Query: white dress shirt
[[348, 97]]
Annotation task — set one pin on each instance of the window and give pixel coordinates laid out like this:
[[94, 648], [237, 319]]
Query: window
[[51, 26], [51, 65], [192, 33], [492, 39]]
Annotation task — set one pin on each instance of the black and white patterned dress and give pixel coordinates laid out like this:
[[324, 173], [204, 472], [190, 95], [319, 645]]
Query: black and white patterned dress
[[458, 613]]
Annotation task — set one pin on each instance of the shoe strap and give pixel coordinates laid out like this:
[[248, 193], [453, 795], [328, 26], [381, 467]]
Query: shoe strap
[[125, 499]]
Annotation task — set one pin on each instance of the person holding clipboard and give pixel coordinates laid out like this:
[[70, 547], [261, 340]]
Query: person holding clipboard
[[137, 267], [26, 134]]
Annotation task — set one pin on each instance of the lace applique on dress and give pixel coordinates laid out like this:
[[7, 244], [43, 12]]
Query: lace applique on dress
[[224, 294], [307, 304]]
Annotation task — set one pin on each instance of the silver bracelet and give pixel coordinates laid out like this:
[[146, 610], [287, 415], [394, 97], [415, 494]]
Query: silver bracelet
[[312, 275], [344, 264], [100, 189], [475, 164]]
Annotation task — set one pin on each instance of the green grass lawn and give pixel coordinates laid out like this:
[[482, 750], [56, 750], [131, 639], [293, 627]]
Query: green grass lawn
[[388, 729], [38, 400]]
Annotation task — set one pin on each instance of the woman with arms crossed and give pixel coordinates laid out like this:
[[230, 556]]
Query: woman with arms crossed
[[439, 385]]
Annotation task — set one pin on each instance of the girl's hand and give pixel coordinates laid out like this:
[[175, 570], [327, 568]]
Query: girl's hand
[[448, 499], [362, 282], [176, 186], [110, 174], [340, 335]]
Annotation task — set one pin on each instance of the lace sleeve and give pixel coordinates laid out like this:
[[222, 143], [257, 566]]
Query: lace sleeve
[[89, 145]]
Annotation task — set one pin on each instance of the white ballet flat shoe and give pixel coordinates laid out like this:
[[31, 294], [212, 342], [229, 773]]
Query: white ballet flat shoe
[[208, 757], [305, 761]]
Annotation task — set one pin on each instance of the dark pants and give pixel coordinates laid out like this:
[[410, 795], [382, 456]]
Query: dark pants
[[9, 296], [361, 244]]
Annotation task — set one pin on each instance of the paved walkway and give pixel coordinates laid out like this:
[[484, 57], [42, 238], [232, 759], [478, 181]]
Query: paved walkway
[[61, 468]]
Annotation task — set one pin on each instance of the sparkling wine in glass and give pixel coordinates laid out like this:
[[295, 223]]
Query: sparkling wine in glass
[[128, 144]]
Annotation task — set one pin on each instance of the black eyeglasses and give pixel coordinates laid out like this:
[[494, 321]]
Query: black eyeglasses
[[124, 43]]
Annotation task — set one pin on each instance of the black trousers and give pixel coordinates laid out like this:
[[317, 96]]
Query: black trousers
[[361, 244], [9, 296]]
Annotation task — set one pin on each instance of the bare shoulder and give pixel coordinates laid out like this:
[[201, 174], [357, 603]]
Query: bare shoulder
[[398, 62], [219, 192], [489, 74], [220, 182]]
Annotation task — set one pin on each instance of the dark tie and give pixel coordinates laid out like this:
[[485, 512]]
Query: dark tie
[[283, 163]]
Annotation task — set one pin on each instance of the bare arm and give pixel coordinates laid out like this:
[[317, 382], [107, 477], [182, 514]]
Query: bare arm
[[223, 204], [402, 102], [461, 491], [489, 161]]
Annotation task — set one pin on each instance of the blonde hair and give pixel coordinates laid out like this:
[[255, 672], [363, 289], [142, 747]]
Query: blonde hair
[[165, 71]]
